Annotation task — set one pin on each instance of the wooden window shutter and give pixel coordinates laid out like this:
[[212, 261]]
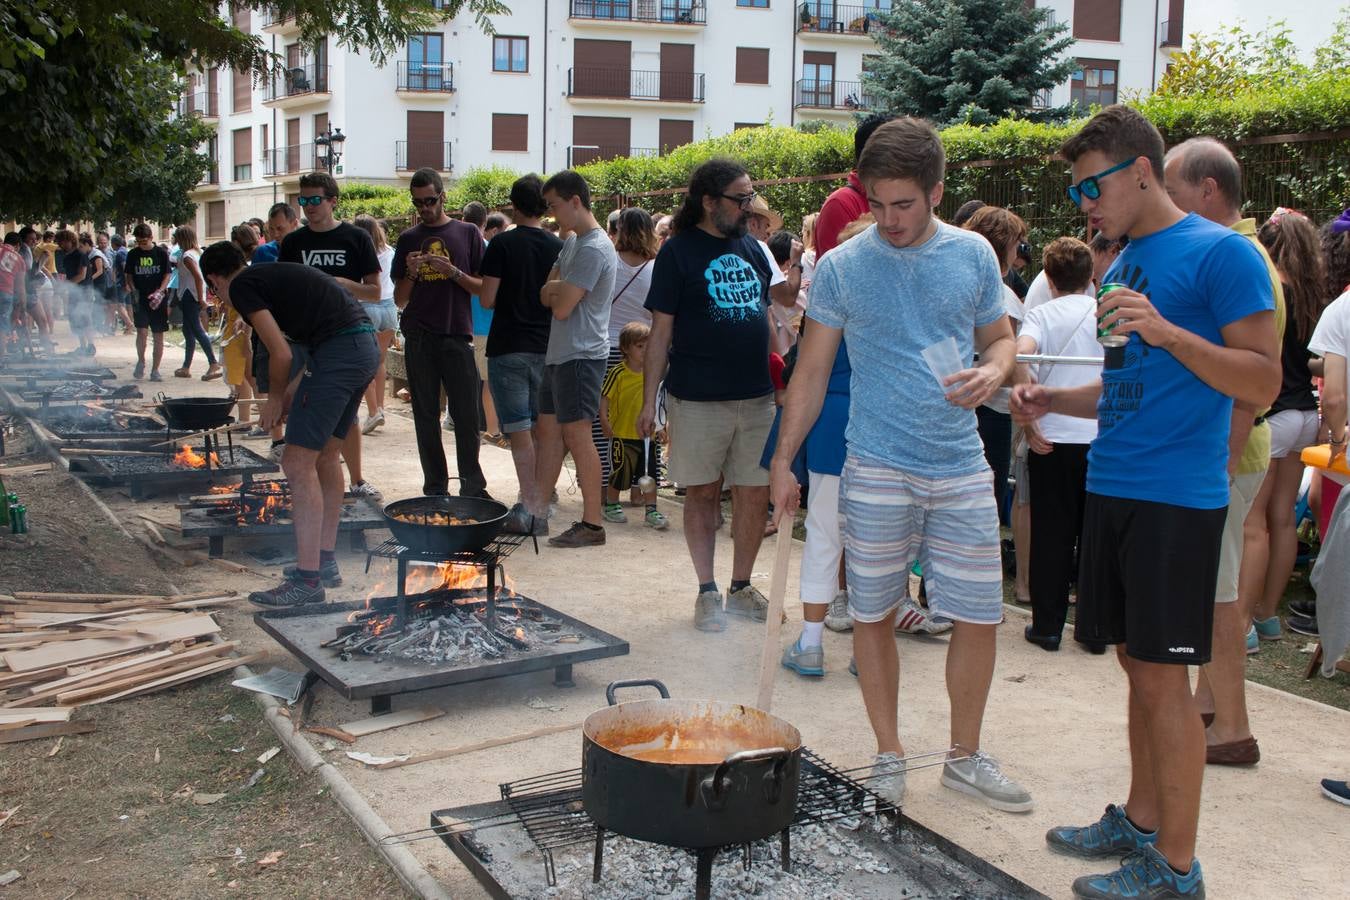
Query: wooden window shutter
[[752, 65], [243, 92], [510, 132]]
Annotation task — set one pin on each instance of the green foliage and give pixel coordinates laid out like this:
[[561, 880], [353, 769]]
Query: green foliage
[[969, 61], [490, 186], [158, 188], [388, 203]]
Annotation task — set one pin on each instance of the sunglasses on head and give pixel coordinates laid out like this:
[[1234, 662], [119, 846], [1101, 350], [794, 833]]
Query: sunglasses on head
[[312, 201], [420, 202], [1090, 187]]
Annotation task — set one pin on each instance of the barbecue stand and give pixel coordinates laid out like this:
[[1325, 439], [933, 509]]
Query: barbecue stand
[[215, 520], [144, 475], [543, 815]]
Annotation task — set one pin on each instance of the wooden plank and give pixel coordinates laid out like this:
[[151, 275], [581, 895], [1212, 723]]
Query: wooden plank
[[190, 675], [66, 652], [136, 598], [362, 727], [24, 723], [40, 713], [184, 625], [33, 469], [108, 671], [331, 732], [147, 672], [479, 745], [51, 729]]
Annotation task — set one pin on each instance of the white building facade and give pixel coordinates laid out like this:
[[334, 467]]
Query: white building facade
[[563, 82]]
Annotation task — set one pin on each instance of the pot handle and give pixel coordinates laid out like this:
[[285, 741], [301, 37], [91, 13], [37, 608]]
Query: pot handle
[[637, 682], [160, 398], [714, 787]]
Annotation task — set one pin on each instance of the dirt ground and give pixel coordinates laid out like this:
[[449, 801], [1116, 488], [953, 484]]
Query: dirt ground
[[111, 814], [1055, 721]]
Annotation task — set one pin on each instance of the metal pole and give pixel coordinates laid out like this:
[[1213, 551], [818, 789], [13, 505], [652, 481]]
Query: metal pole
[[1034, 358]]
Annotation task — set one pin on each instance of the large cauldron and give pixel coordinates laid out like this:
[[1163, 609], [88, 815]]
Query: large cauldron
[[412, 523], [195, 413], [688, 773]]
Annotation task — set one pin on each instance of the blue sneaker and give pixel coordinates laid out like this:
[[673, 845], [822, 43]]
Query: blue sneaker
[[1253, 642], [1268, 629], [804, 661], [1112, 835], [1145, 875], [1336, 790]]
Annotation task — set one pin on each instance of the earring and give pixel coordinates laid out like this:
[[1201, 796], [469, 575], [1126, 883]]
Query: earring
[[1143, 186]]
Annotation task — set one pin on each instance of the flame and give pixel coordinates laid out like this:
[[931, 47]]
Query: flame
[[191, 459], [520, 633], [445, 576], [225, 488]]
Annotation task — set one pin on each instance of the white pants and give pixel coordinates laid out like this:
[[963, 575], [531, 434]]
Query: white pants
[[824, 540]]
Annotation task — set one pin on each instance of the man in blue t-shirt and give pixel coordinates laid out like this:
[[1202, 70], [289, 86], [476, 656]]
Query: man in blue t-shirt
[[915, 484], [1198, 311]]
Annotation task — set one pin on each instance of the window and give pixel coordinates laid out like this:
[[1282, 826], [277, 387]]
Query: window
[[242, 86], [510, 54], [426, 68], [752, 65], [757, 4], [817, 84], [243, 154], [1094, 82], [510, 132], [215, 219], [1096, 20]]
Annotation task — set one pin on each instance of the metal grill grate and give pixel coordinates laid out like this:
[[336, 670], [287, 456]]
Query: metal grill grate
[[500, 547]]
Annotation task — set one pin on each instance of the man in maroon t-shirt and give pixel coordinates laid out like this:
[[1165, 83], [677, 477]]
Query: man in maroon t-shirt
[[435, 270], [850, 201]]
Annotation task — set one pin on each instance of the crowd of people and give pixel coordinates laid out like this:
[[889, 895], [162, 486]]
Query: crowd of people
[[1145, 451]]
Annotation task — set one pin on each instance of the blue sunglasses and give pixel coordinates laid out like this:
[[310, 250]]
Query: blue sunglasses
[[1089, 186]]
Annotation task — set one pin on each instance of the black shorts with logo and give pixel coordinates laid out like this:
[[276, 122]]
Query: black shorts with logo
[[157, 319], [1146, 578]]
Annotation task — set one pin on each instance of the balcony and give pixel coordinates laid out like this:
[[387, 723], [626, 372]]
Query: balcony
[[825, 18], [297, 86], [200, 103], [1169, 34], [412, 155], [649, 12], [844, 96], [580, 154], [281, 162], [273, 21], [646, 86], [212, 174], [426, 77]]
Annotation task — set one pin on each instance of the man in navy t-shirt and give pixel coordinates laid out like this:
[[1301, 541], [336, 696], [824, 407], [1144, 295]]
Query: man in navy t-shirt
[[1199, 314]]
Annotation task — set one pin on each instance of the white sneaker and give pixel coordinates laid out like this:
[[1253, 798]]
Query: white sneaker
[[911, 618], [364, 489], [370, 423], [887, 780], [275, 453], [837, 617], [980, 776]]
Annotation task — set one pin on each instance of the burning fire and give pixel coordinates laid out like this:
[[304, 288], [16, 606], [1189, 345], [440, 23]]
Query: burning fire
[[226, 488], [191, 459]]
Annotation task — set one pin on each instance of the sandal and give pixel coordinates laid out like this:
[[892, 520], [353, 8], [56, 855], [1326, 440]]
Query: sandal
[[182, 373], [213, 373]]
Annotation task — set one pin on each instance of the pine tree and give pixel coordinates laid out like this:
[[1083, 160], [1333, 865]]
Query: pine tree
[[964, 60]]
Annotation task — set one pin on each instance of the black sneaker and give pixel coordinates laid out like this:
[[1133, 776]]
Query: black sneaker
[[289, 593], [1307, 608], [579, 535], [329, 576], [1302, 625]]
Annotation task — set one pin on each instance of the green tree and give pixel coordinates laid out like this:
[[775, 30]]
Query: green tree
[[969, 61], [86, 85]]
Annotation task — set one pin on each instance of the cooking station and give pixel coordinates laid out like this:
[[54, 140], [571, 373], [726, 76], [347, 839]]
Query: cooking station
[[97, 423], [185, 469], [263, 509]]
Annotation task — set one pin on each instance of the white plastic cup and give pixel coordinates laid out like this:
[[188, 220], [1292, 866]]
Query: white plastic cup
[[943, 360]]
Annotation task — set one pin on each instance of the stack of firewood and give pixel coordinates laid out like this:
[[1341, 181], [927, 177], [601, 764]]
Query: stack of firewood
[[59, 651]]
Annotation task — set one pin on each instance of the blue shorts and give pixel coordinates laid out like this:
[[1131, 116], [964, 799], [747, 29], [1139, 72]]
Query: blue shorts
[[513, 379], [330, 391], [383, 315], [891, 518]]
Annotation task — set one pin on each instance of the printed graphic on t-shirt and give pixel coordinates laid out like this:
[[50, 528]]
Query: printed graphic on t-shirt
[[146, 265], [324, 259], [433, 246], [1123, 367], [734, 288]]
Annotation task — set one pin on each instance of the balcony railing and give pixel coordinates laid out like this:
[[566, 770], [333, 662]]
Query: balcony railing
[[212, 174], [410, 155], [819, 93], [580, 154], [270, 15], [616, 84], [674, 12], [824, 17], [199, 103], [297, 80], [1041, 99], [1168, 35], [429, 77], [293, 160]]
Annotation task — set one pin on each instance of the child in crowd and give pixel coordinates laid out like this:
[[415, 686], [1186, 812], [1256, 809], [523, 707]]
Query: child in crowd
[[620, 403]]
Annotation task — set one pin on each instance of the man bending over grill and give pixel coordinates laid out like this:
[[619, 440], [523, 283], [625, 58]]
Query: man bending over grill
[[290, 304]]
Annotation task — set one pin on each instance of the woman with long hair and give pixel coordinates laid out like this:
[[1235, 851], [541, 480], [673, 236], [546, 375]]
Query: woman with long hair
[[191, 295], [1270, 544], [384, 315], [635, 243]]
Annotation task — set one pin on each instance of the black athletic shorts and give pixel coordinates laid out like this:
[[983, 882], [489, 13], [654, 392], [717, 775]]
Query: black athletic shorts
[[142, 316], [1146, 578]]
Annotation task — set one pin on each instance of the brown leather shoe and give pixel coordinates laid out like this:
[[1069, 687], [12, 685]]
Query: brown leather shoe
[[1235, 753]]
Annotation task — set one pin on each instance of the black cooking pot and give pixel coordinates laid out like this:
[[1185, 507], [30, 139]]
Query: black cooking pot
[[688, 773], [195, 413], [413, 523]]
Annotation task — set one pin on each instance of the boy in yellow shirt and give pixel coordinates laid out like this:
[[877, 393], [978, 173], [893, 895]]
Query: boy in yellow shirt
[[620, 403]]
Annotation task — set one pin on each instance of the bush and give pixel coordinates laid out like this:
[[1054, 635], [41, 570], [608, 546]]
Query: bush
[[388, 203]]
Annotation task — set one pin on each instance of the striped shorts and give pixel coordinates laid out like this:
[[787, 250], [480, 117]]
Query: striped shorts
[[891, 518]]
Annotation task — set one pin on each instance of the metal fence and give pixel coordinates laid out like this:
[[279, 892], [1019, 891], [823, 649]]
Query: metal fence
[[679, 87], [675, 12]]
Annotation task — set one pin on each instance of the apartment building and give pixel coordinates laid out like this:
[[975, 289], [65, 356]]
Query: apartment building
[[564, 82]]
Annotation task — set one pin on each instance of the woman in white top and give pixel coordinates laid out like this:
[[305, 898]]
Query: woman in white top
[[384, 315], [635, 244], [1057, 464], [191, 295]]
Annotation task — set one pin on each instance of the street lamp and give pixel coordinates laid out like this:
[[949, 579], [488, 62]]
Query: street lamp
[[332, 139]]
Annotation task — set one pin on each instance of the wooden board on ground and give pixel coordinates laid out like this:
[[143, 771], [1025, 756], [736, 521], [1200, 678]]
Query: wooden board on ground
[[66, 652], [362, 727], [40, 713], [48, 730]]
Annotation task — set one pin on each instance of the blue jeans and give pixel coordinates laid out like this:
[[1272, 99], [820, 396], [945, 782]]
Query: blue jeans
[[193, 333], [514, 381]]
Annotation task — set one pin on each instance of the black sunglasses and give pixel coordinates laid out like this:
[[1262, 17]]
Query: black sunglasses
[[1090, 188], [420, 202], [741, 200]]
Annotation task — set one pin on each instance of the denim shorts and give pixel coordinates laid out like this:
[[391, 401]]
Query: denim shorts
[[383, 315], [326, 401], [571, 390], [514, 381]]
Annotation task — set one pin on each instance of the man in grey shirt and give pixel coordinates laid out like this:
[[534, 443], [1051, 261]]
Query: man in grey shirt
[[577, 293]]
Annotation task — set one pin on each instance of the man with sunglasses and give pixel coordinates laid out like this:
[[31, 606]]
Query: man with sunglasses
[[435, 270], [348, 254], [1198, 311], [709, 296]]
